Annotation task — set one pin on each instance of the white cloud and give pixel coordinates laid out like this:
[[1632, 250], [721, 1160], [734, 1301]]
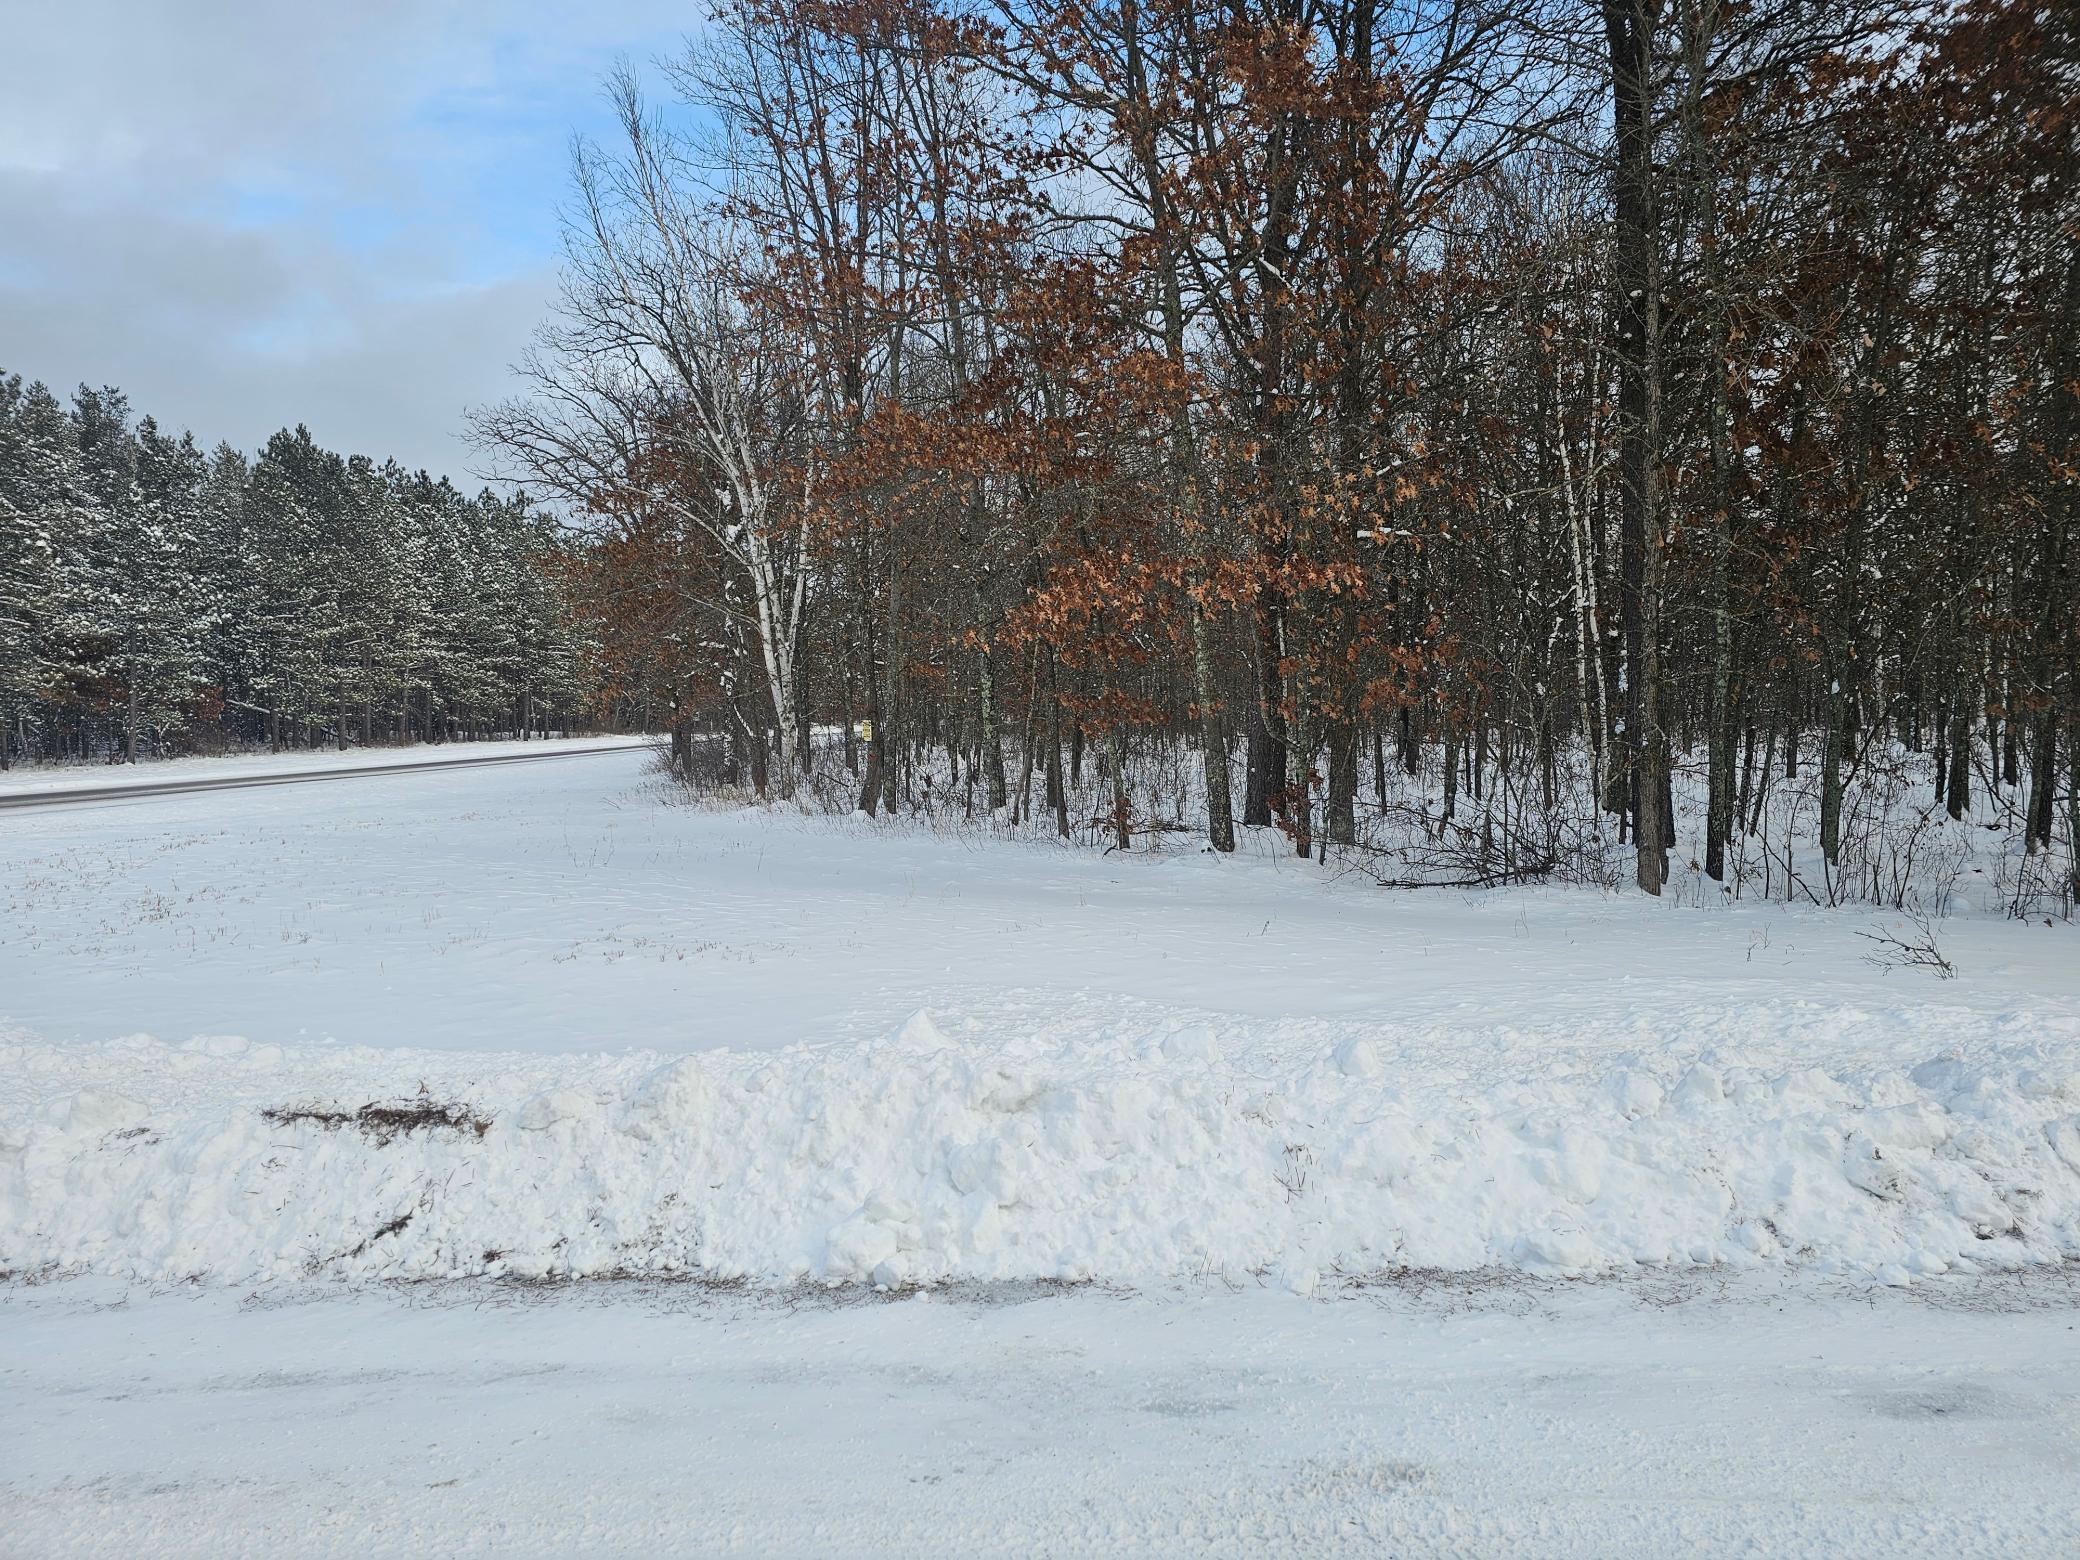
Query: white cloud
[[249, 213]]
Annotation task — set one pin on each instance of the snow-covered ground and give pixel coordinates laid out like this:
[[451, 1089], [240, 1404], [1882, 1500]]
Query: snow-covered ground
[[1710, 1415], [1336, 1163]]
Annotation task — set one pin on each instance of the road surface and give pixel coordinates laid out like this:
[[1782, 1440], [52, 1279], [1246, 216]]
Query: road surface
[[139, 784]]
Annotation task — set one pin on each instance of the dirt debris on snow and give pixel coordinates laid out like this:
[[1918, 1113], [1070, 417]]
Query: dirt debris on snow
[[382, 1124]]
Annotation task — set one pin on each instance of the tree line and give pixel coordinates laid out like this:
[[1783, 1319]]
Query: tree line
[[155, 599], [1573, 391]]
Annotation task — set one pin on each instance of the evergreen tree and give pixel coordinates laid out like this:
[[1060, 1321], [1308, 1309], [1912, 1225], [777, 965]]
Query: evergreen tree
[[153, 599]]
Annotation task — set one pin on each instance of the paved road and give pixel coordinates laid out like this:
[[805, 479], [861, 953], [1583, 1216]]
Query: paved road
[[74, 796], [1699, 1415]]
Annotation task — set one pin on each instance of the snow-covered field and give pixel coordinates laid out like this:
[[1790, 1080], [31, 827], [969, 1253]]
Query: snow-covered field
[[1438, 1221]]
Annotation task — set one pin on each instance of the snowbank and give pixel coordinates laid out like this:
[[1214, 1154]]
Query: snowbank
[[922, 1158]]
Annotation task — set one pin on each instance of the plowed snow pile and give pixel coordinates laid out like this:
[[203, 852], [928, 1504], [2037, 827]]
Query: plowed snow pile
[[925, 1157], [529, 1020]]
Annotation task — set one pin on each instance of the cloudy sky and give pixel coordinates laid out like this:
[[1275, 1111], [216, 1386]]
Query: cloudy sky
[[249, 213]]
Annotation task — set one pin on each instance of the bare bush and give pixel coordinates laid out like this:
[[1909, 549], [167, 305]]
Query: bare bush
[[1911, 947]]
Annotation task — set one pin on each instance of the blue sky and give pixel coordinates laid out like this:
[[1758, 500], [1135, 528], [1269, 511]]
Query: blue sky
[[249, 214]]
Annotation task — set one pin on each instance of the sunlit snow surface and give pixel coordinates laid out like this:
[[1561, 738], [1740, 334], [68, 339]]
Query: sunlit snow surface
[[560, 907], [736, 1046], [1704, 1416]]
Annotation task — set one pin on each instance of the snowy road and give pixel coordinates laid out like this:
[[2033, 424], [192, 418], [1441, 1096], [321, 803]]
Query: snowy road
[[1258, 1108], [1702, 1416], [34, 789]]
